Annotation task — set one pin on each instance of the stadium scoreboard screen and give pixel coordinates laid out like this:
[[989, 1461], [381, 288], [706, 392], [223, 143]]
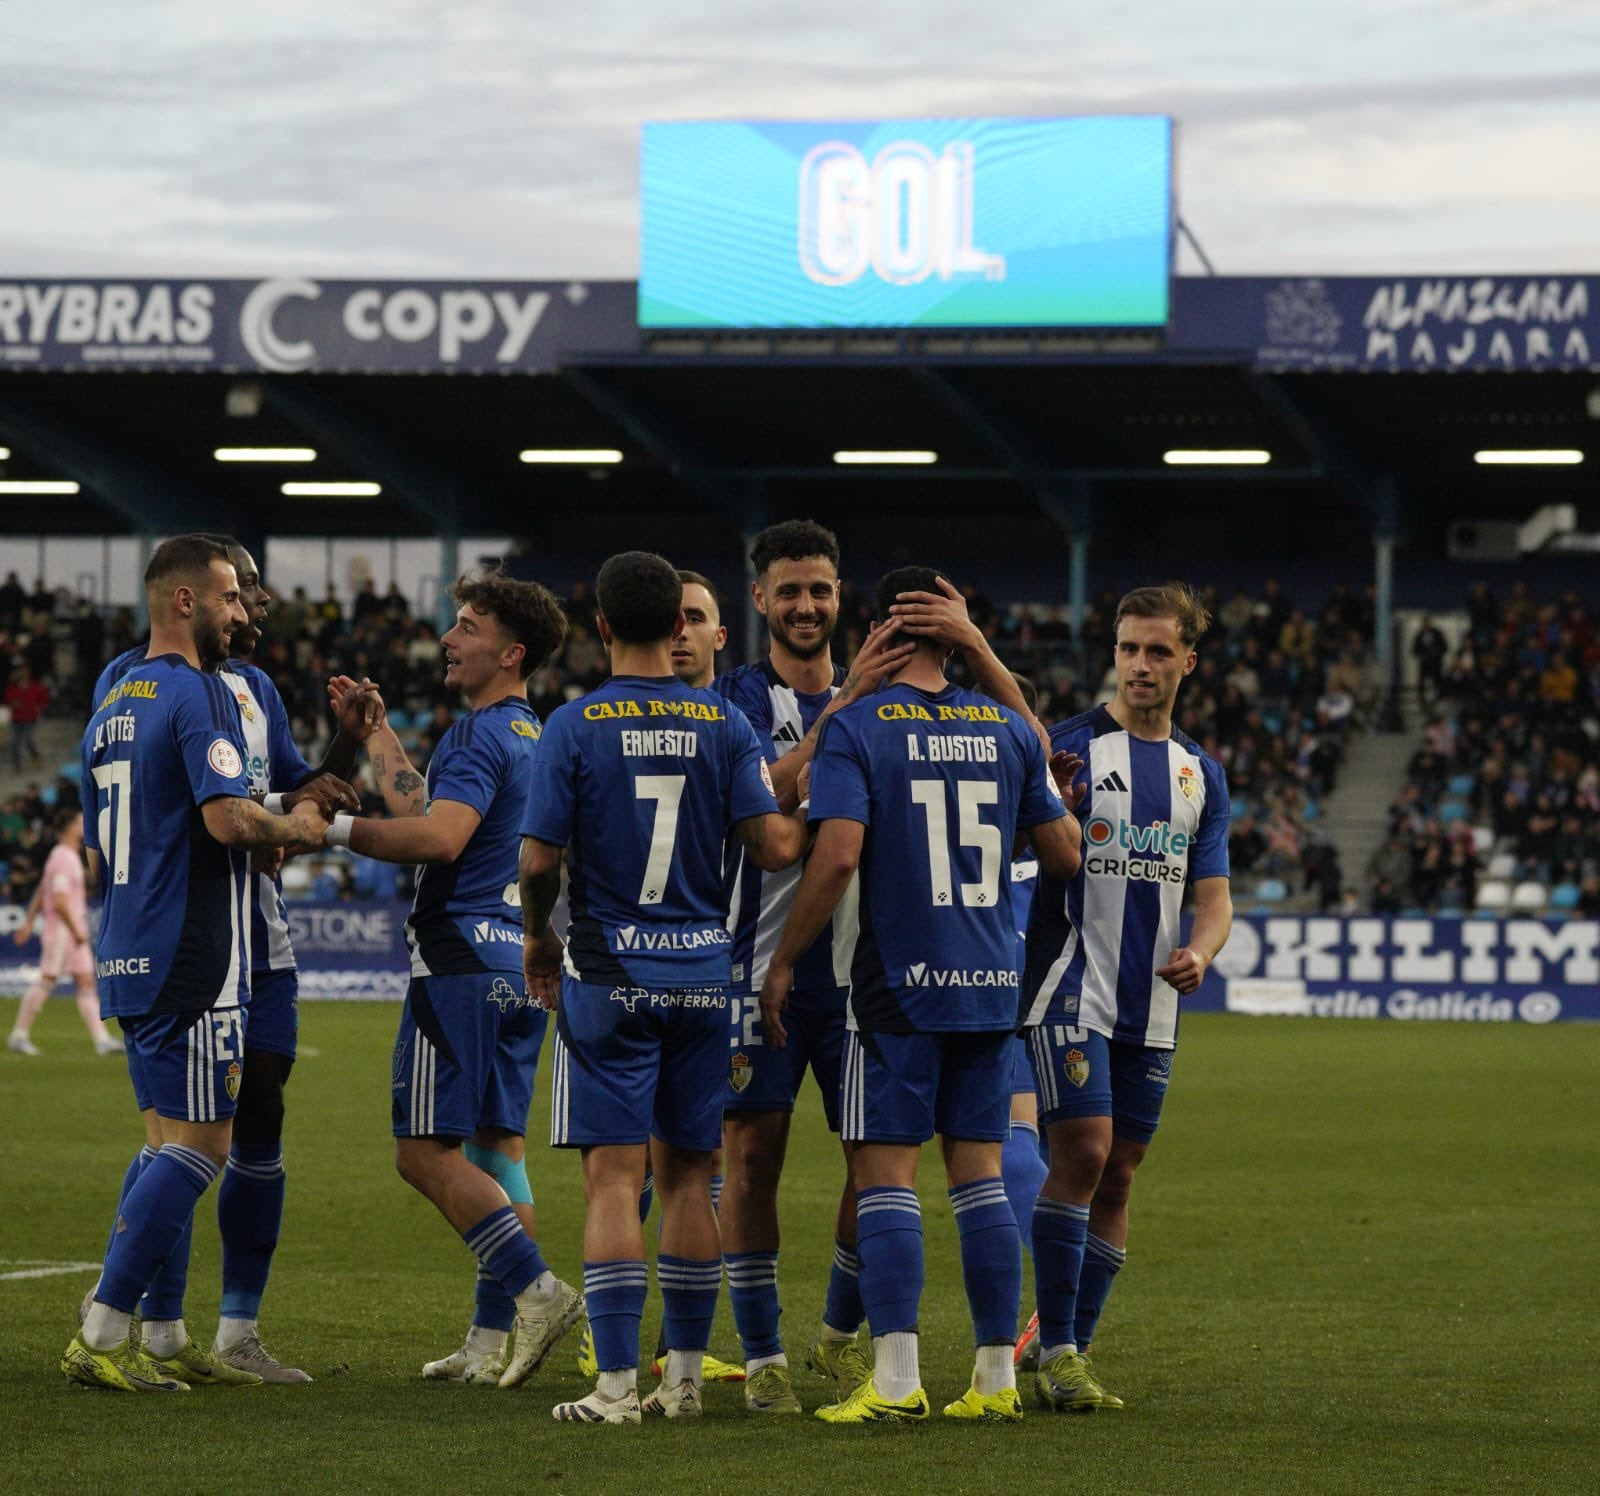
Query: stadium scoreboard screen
[[912, 223]]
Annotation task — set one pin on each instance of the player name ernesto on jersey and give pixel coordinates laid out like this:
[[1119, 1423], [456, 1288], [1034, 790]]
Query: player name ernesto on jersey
[[661, 742], [697, 711]]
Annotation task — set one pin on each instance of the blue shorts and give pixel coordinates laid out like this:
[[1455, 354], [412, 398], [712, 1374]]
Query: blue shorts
[[904, 1088], [465, 1056], [630, 1062], [1084, 1074], [1021, 1068], [275, 1011], [763, 1079], [187, 1066]]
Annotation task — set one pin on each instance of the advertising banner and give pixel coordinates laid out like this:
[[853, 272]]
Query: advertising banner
[[1418, 324], [350, 951], [1450, 970], [291, 325], [907, 223]]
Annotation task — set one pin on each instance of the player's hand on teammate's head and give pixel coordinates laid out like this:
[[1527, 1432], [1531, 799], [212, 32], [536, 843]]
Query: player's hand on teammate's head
[[541, 968], [1065, 769], [330, 793], [939, 616], [1184, 970], [884, 653]]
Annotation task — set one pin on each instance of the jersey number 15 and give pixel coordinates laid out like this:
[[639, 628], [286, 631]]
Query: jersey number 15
[[932, 796]]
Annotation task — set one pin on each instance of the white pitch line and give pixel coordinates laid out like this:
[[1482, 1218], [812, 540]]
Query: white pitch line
[[46, 1269]]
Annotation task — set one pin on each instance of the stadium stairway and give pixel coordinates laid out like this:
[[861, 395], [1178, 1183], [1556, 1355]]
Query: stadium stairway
[[1356, 815], [58, 741]]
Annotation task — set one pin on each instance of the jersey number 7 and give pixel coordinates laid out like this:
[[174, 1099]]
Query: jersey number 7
[[666, 790]]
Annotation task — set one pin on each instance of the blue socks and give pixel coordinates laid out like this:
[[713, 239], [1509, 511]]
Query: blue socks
[[614, 1294], [249, 1213], [501, 1245], [140, 1162], [991, 1259], [496, 1309], [688, 1300], [1059, 1232], [843, 1310], [153, 1218], [753, 1288], [1023, 1171], [889, 1244], [1101, 1262]]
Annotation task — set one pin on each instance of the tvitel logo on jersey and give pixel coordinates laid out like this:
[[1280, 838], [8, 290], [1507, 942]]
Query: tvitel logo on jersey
[[632, 938], [920, 974], [1119, 849]]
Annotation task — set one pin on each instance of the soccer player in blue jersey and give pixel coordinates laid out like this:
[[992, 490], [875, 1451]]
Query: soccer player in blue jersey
[[787, 696], [924, 788], [250, 1198], [640, 783], [169, 815], [471, 1031], [1107, 964]]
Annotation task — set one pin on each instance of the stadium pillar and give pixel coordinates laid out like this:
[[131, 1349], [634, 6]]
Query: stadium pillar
[[449, 570], [753, 512]]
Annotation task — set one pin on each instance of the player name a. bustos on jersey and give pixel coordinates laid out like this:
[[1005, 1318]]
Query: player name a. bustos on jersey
[[759, 902], [644, 812], [1154, 817], [942, 781]]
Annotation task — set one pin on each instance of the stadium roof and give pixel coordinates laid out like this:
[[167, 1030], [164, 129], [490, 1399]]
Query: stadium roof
[[1033, 435]]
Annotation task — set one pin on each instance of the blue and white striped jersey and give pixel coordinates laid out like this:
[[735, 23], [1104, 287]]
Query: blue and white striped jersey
[[1154, 816], [272, 764], [174, 936], [942, 781], [758, 902], [467, 914]]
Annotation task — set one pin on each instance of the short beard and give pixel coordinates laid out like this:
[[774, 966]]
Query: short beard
[[799, 651], [212, 649]]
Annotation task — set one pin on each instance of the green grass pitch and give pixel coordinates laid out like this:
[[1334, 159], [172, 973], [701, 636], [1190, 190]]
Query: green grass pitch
[[1364, 1259]]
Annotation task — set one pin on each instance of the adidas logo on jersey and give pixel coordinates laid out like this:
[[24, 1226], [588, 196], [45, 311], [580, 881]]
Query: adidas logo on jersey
[[786, 732], [1112, 784]]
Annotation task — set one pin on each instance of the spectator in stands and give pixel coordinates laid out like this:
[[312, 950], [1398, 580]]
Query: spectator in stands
[[12, 601], [1389, 875], [1429, 649], [26, 697]]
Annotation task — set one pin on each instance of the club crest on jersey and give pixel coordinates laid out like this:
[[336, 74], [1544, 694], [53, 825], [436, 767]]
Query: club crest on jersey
[[1188, 782], [231, 1083], [246, 706], [1077, 1067], [740, 1073]]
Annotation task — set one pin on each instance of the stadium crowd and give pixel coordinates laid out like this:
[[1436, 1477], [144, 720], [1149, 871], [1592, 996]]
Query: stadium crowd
[[1278, 691], [1500, 804]]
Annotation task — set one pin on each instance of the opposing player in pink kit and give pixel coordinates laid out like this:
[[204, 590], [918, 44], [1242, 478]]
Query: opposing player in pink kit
[[62, 901]]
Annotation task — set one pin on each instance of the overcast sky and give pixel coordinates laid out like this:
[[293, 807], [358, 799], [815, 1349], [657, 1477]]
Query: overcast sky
[[500, 137]]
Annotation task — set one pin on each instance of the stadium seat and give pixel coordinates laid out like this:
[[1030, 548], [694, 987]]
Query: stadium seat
[[1529, 896], [1502, 865], [399, 719], [71, 770], [1494, 893], [1452, 809], [1482, 840], [1271, 891], [1564, 896], [1311, 811], [1461, 784]]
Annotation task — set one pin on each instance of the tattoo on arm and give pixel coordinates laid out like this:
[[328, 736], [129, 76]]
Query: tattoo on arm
[[407, 780], [380, 767]]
